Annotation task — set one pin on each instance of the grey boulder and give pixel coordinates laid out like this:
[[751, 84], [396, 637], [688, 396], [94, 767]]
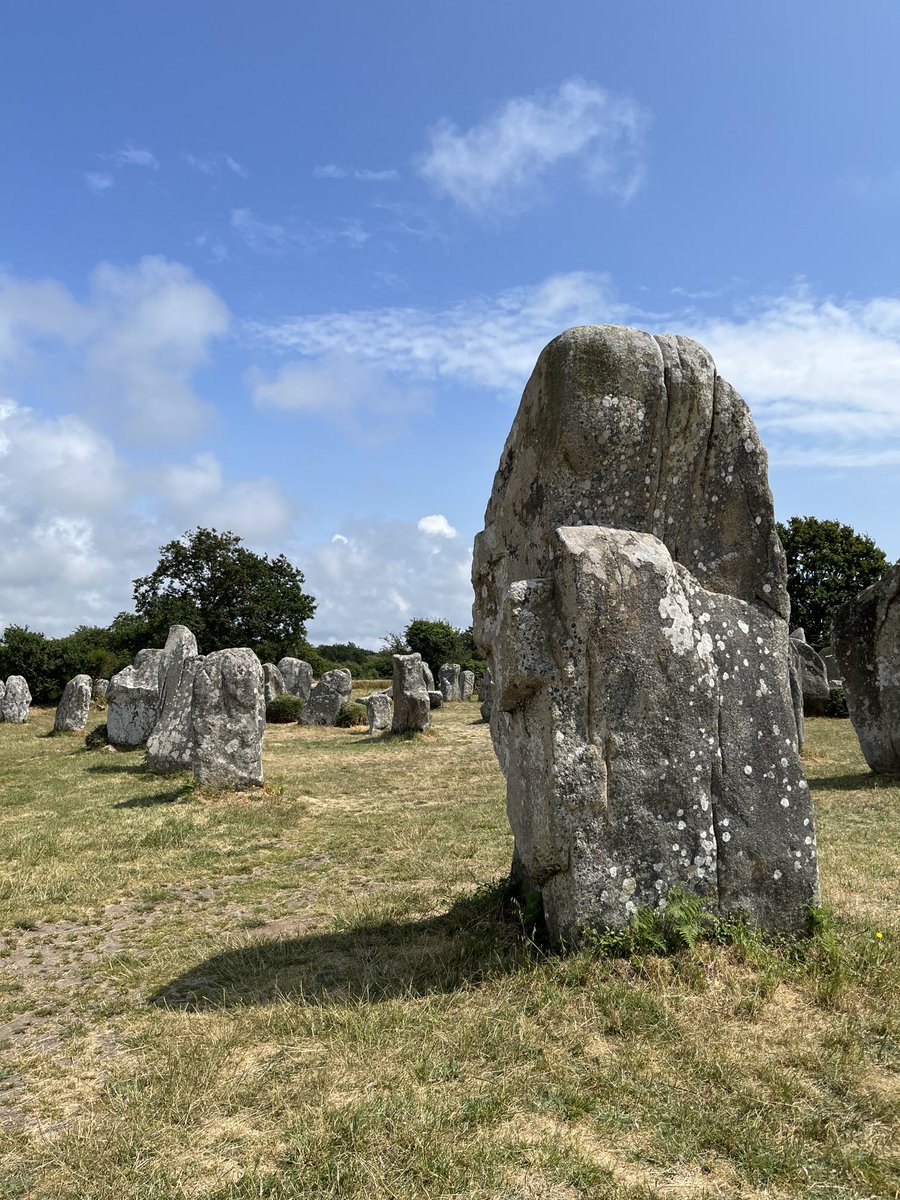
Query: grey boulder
[[99, 689], [228, 719], [74, 705], [16, 701], [448, 682], [273, 682], [326, 698], [813, 678], [866, 642], [411, 703], [379, 710], [486, 694], [297, 676], [466, 684], [427, 676], [133, 700]]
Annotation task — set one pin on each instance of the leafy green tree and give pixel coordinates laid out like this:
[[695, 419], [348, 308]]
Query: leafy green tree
[[225, 593], [437, 641], [828, 563]]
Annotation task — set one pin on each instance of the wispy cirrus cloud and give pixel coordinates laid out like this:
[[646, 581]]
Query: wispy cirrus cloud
[[132, 155], [270, 237], [212, 164], [505, 164], [359, 174]]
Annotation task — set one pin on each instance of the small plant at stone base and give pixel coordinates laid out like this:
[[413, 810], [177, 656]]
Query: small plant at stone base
[[283, 710], [351, 714], [685, 921], [837, 702], [97, 738]]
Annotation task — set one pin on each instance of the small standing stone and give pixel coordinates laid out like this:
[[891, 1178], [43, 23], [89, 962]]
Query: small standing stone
[[74, 705], [411, 704], [274, 682], [813, 678], [427, 676], [436, 699], [379, 710], [16, 701], [297, 676], [326, 698], [486, 694], [466, 684], [448, 681], [133, 700], [228, 716], [99, 689]]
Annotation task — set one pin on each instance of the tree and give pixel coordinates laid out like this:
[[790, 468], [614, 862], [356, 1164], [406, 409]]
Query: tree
[[226, 594], [828, 563], [439, 642]]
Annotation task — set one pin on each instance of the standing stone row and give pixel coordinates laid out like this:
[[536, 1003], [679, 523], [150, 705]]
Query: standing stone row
[[456, 684]]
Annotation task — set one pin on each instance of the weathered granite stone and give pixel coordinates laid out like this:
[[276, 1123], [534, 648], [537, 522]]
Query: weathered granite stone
[[379, 710], [435, 698], [99, 689], [326, 698], [631, 600], [813, 678], [466, 684], [798, 634], [832, 668], [170, 742], [411, 703], [16, 701], [228, 718], [133, 700], [2, 694], [618, 793], [486, 695], [74, 705], [274, 682], [866, 641], [297, 676], [448, 682], [795, 668], [427, 676]]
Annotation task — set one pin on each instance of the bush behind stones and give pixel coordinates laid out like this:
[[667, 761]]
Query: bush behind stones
[[284, 709], [351, 714]]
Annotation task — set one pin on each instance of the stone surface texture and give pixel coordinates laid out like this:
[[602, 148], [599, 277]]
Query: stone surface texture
[[866, 643], [486, 694], [466, 684], [133, 700], [813, 678], [273, 682], [631, 600], [228, 719], [297, 676], [448, 682], [74, 706], [379, 710], [326, 698], [16, 701], [411, 703]]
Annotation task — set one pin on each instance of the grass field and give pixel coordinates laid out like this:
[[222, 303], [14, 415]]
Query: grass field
[[317, 992]]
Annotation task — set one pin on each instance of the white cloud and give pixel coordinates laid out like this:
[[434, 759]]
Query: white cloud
[[339, 537], [131, 155], [213, 163], [380, 576], [360, 398], [484, 341], [362, 174], [276, 237], [98, 181], [436, 526], [502, 164]]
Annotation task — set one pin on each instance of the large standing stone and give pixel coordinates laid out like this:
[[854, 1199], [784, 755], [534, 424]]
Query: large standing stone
[[411, 703], [74, 705], [133, 700], [379, 710], [642, 704], [297, 676], [448, 682], [813, 678], [486, 694], [274, 682], [866, 641], [326, 698], [466, 684], [229, 719], [16, 701]]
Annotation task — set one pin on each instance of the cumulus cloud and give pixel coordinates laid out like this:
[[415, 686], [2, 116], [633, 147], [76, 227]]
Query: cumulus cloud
[[361, 399], [484, 341], [380, 575], [436, 526], [503, 164]]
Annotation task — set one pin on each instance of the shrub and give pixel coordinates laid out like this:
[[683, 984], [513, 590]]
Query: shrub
[[837, 702], [284, 709], [352, 714]]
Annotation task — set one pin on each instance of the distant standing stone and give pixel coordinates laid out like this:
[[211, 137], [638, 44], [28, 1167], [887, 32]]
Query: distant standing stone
[[436, 698], [229, 720], [448, 682], [99, 688], [427, 676], [466, 684], [326, 698], [2, 694], [813, 678], [297, 676], [379, 710], [411, 703], [16, 701], [486, 694], [274, 682], [74, 705], [867, 647], [133, 700]]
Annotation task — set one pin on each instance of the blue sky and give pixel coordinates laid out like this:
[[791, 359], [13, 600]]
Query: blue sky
[[285, 268]]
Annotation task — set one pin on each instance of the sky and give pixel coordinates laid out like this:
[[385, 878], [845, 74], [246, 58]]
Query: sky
[[285, 269]]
